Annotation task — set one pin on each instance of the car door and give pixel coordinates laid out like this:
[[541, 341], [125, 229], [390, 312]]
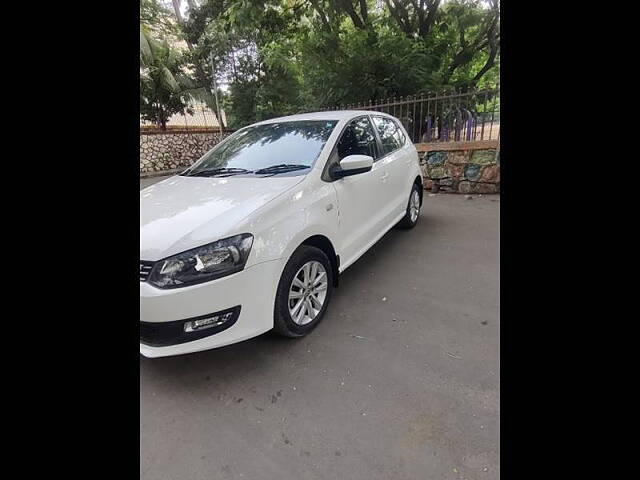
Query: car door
[[397, 160], [361, 201]]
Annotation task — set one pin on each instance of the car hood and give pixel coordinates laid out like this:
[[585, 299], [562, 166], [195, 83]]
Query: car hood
[[180, 213]]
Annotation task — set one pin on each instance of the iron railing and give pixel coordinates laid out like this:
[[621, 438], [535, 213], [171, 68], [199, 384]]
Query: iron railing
[[443, 117], [446, 116]]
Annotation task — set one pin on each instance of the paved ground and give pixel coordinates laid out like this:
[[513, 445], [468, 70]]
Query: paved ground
[[400, 380]]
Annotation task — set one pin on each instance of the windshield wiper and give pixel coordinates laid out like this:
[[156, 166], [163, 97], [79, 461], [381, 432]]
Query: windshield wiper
[[218, 171], [283, 167]]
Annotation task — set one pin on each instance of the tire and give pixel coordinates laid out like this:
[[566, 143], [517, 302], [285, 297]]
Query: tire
[[298, 324], [411, 218]]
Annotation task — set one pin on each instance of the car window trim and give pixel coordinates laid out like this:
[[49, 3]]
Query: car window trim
[[335, 145], [380, 140], [373, 127]]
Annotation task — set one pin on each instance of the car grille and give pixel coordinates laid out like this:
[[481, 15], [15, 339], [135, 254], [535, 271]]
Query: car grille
[[145, 270]]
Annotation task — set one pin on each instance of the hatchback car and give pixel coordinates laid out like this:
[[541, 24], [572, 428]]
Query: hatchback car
[[252, 237]]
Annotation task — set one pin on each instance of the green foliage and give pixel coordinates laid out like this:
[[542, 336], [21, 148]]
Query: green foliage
[[284, 56], [368, 65], [164, 88], [157, 18]]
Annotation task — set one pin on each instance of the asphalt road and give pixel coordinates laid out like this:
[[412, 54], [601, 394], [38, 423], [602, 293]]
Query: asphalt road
[[400, 380]]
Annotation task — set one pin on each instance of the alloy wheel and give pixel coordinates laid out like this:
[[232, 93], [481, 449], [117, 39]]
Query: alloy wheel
[[307, 292], [414, 206]]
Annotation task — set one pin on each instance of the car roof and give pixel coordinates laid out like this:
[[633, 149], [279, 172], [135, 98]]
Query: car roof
[[328, 115]]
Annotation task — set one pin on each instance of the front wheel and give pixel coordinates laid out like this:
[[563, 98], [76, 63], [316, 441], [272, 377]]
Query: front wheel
[[413, 209], [304, 292]]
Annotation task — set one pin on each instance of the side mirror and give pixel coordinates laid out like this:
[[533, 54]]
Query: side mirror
[[351, 165]]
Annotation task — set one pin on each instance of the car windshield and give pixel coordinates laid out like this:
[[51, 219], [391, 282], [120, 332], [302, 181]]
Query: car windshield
[[270, 148]]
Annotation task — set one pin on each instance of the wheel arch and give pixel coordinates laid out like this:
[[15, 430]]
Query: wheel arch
[[323, 243], [418, 181]]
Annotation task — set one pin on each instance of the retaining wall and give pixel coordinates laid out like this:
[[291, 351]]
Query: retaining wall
[[461, 167], [171, 150]]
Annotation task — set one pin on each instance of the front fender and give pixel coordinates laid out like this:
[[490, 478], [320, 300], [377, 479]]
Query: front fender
[[283, 224]]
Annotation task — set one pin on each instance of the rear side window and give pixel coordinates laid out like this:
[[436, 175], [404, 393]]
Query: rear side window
[[357, 139], [391, 135]]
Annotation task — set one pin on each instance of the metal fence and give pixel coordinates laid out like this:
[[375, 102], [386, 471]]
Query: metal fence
[[445, 116], [440, 117]]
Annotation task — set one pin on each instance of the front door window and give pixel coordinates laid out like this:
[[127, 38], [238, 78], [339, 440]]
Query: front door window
[[358, 139]]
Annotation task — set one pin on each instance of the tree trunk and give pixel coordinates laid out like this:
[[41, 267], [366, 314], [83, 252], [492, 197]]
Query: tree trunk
[[364, 11], [323, 17], [347, 6], [176, 9], [426, 23], [491, 61], [399, 18]]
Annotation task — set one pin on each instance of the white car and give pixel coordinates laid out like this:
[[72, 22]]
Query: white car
[[252, 237]]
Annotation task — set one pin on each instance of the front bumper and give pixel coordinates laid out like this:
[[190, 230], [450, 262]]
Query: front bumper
[[254, 289]]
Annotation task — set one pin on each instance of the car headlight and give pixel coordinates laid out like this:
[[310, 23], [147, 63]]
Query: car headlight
[[202, 264]]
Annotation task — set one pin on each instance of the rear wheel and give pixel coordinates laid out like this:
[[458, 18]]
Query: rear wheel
[[304, 292], [413, 209]]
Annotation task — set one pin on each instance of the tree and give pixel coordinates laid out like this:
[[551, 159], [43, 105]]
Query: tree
[[156, 18], [477, 31], [283, 56], [414, 17], [241, 44], [164, 88], [203, 62]]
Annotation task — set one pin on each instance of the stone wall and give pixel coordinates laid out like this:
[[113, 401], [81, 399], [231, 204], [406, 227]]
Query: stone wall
[[167, 151], [462, 171], [461, 167]]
